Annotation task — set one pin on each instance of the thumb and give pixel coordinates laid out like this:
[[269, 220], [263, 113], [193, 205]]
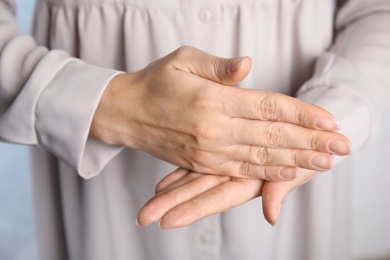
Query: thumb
[[230, 71], [221, 70], [273, 195]]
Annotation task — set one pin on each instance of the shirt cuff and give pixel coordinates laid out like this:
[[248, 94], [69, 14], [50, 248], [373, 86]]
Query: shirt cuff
[[64, 114], [340, 89]]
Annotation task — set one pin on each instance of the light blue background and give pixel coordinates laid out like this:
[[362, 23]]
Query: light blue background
[[17, 234], [370, 206]]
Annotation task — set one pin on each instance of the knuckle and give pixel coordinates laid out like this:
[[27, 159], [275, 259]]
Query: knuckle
[[260, 155], [295, 158], [264, 156], [315, 142], [243, 170], [268, 173], [273, 135], [267, 107], [218, 68], [182, 51], [302, 117]]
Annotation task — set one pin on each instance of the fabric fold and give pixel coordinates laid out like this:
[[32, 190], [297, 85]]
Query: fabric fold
[[48, 99], [338, 87], [63, 126]]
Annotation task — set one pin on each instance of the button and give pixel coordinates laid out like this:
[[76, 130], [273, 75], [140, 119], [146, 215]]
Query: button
[[206, 238], [205, 15]]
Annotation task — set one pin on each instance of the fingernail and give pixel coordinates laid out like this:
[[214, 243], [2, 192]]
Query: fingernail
[[162, 228], [339, 147], [136, 223], [288, 173], [235, 64], [321, 161], [327, 124]]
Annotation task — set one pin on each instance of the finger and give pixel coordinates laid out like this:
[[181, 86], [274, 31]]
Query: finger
[[224, 71], [219, 199], [286, 135], [274, 193], [307, 159], [189, 177], [170, 178], [162, 203], [270, 106], [242, 169]]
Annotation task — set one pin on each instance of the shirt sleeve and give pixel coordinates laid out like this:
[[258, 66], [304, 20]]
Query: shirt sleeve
[[48, 98], [352, 80]]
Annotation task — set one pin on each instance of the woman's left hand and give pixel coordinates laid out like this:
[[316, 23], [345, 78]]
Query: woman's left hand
[[184, 197]]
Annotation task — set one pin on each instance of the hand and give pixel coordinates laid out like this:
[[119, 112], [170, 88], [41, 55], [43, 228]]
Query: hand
[[184, 197], [180, 109]]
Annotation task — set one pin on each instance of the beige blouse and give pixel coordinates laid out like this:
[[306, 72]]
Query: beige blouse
[[335, 54]]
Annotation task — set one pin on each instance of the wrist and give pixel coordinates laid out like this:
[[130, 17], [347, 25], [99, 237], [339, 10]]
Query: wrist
[[108, 121]]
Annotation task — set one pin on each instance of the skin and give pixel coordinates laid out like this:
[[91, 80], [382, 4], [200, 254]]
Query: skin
[[232, 144], [184, 197], [182, 109]]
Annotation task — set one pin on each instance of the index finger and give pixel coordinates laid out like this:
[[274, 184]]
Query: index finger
[[271, 106]]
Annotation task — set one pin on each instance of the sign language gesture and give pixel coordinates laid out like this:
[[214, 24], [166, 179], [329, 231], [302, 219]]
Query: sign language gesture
[[180, 109], [233, 141]]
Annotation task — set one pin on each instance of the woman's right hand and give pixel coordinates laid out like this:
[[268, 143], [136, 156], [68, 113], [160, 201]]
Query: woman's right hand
[[180, 109]]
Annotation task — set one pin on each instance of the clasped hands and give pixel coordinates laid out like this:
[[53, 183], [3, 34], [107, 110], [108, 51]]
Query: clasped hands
[[231, 144]]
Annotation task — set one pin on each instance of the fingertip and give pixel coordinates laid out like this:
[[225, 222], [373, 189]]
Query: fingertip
[[163, 225], [139, 220], [145, 217], [272, 213], [269, 219], [235, 64], [248, 63], [238, 69], [276, 215], [239, 63], [273, 197], [339, 147], [159, 225], [140, 223], [267, 212]]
